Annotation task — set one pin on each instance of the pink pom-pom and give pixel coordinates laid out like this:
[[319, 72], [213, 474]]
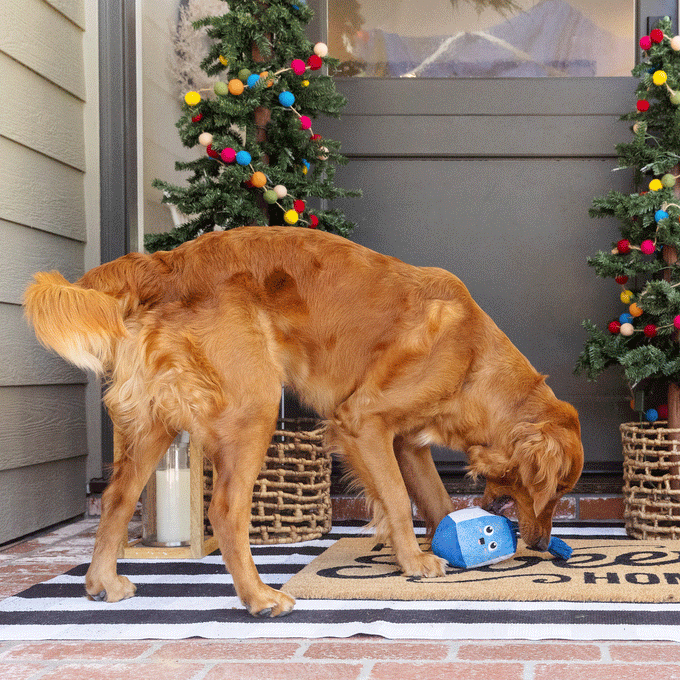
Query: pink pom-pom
[[645, 42], [305, 122], [298, 66], [676, 321], [647, 247], [228, 155]]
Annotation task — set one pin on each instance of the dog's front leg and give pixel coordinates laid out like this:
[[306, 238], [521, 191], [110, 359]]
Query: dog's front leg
[[367, 445]]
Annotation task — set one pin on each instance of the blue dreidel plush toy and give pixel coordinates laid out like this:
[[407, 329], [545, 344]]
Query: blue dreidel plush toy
[[473, 537]]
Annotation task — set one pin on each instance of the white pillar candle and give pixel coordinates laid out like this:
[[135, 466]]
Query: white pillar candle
[[173, 509]]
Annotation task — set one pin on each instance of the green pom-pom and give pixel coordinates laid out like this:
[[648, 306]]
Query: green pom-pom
[[668, 180], [243, 74], [221, 88], [270, 196]]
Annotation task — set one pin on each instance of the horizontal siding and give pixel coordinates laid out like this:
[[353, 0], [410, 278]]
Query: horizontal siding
[[41, 424], [27, 251], [72, 9], [41, 193], [44, 40], [483, 136], [29, 362], [51, 119], [32, 498]]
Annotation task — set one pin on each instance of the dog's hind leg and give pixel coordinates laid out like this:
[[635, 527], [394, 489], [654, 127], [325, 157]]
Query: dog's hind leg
[[131, 472], [423, 482], [367, 445], [242, 441]]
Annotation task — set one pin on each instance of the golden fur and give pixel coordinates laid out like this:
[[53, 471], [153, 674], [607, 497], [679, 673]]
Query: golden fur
[[394, 357]]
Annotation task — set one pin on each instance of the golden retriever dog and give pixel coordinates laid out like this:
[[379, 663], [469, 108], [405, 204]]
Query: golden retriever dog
[[394, 358]]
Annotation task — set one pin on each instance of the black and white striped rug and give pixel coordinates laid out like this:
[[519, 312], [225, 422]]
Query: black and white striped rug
[[195, 598]]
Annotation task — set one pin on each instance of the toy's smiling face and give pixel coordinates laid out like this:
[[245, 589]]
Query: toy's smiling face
[[473, 538], [486, 539]]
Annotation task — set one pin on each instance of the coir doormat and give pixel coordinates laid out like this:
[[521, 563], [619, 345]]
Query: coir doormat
[[600, 570]]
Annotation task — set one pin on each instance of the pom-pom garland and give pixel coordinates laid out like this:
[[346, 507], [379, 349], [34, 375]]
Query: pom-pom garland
[[236, 87]]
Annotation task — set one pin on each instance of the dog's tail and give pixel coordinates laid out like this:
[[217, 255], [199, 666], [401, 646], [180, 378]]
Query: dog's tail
[[80, 324]]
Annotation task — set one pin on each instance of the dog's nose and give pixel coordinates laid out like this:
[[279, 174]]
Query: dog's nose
[[541, 545]]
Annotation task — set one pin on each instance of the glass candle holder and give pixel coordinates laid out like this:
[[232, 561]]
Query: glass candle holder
[[166, 502]]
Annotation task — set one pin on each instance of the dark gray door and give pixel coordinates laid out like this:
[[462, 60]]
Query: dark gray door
[[492, 178]]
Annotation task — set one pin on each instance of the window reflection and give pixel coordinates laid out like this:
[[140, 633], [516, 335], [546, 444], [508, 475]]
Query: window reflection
[[482, 38]]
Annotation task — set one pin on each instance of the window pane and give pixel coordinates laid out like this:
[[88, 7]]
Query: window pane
[[482, 38]]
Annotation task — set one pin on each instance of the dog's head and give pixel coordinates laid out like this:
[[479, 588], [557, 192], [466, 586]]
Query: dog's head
[[543, 462]]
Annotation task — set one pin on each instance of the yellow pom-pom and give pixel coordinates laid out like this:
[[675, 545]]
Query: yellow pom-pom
[[192, 98], [305, 83], [655, 185], [626, 297], [635, 310], [291, 216], [236, 86], [258, 179], [659, 77], [223, 60]]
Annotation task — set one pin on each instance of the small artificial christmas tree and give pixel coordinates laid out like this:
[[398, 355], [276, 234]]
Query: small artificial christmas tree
[[643, 338], [262, 161]]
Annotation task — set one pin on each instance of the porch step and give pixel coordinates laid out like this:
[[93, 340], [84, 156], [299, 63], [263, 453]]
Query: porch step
[[573, 507]]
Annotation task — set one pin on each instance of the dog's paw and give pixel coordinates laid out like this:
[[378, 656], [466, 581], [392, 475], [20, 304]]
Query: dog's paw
[[424, 564], [120, 588], [270, 603]]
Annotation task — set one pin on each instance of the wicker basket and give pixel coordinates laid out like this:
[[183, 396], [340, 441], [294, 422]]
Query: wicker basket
[[651, 480], [291, 499]]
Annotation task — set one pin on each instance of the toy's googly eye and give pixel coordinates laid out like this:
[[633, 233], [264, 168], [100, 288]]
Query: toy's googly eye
[[493, 545], [488, 530]]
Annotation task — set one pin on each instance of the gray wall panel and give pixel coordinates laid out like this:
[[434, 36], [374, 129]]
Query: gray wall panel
[[517, 232]]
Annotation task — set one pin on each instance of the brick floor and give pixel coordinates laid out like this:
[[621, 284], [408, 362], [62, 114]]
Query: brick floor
[[357, 658]]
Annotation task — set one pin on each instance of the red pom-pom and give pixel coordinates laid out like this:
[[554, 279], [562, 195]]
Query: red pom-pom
[[645, 42], [614, 327], [623, 246], [650, 330], [316, 138], [198, 117], [621, 280], [313, 221], [315, 62], [642, 105], [663, 411], [299, 206], [211, 152], [656, 35]]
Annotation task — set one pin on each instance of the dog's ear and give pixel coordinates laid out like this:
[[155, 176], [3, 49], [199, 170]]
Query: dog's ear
[[539, 460]]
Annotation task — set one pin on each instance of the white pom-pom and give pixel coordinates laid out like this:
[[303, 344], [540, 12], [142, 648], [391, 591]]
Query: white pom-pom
[[627, 329], [321, 49], [675, 43], [205, 138], [280, 191]]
